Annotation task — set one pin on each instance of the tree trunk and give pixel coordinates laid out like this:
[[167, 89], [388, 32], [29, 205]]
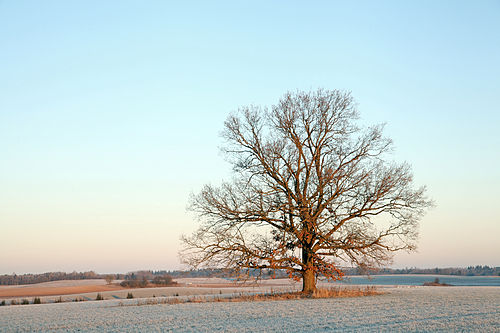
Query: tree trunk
[[308, 275], [308, 281]]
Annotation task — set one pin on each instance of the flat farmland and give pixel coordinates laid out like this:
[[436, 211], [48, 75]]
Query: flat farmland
[[56, 288], [69, 290], [398, 309]]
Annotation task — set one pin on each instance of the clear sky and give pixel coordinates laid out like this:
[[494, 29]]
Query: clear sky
[[110, 113]]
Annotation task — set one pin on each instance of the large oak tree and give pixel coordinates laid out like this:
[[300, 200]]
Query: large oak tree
[[312, 192]]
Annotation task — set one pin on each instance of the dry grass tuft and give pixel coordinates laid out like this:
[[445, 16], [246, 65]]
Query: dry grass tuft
[[345, 292], [272, 296], [319, 293]]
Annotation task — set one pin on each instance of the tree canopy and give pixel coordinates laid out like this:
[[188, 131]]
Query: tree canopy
[[312, 191]]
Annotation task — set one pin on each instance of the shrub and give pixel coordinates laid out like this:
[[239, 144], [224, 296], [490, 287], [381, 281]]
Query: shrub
[[109, 278], [25, 301], [134, 283], [13, 302], [3, 303], [163, 280], [37, 300], [99, 297], [129, 295]]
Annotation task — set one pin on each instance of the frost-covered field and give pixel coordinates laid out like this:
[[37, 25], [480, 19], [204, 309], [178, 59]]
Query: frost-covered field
[[400, 309]]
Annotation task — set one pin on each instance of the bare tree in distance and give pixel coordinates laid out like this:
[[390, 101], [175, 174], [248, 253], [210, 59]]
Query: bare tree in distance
[[312, 191], [109, 278]]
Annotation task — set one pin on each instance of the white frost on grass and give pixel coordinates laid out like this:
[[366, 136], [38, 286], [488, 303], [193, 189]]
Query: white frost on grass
[[401, 309]]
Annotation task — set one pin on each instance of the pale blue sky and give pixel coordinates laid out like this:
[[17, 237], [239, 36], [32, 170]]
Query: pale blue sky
[[110, 113]]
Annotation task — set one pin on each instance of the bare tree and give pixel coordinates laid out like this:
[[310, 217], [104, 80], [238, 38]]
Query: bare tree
[[311, 191], [109, 278]]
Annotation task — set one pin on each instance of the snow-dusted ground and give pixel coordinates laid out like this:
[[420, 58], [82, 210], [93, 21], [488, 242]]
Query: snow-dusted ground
[[400, 309]]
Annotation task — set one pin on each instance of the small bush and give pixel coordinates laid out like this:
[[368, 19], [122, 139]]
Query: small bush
[[3, 303], [37, 300], [109, 278], [13, 302], [134, 283], [25, 301], [99, 297], [129, 295], [163, 280]]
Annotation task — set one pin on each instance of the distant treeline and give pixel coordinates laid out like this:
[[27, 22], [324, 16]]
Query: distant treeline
[[144, 275], [224, 273], [469, 271], [47, 277], [15, 279]]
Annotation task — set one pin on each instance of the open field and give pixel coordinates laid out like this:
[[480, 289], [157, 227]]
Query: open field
[[56, 288], [88, 289], [399, 309]]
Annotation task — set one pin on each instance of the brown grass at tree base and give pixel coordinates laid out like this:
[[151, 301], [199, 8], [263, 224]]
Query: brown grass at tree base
[[334, 292], [345, 292]]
